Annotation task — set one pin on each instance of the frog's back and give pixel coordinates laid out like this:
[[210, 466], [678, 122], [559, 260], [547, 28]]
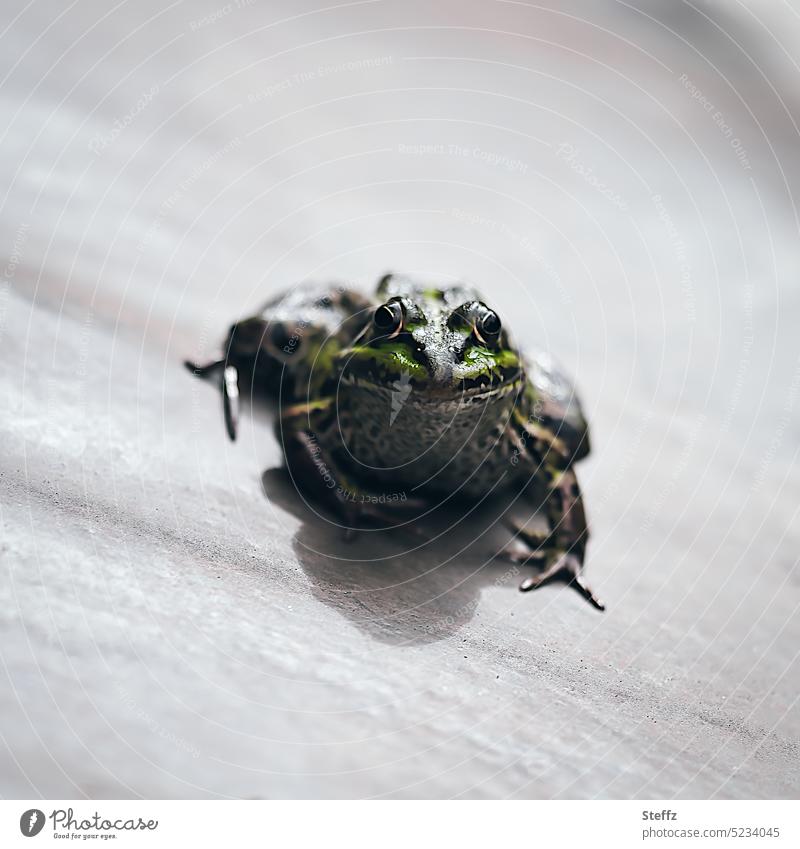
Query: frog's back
[[290, 344]]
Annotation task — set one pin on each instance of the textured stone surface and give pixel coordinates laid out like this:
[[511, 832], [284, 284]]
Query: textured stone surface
[[621, 180]]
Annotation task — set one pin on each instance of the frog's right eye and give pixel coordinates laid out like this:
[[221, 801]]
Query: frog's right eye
[[488, 326], [388, 318], [283, 339]]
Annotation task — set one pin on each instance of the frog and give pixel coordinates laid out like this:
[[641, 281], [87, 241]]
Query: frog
[[421, 388]]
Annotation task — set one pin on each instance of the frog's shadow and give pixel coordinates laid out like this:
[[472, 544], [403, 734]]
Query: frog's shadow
[[394, 586]]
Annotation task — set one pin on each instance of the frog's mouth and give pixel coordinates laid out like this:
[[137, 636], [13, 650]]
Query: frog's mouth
[[381, 380], [393, 368]]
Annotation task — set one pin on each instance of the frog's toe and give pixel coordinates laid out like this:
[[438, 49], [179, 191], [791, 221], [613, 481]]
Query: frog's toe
[[586, 591], [521, 556], [533, 537], [204, 370], [230, 400], [567, 567]]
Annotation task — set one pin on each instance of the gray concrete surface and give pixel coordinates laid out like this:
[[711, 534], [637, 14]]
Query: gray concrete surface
[[620, 178]]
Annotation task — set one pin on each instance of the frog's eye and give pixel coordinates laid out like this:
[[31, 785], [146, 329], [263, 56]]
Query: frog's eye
[[388, 318], [283, 339], [488, 326]]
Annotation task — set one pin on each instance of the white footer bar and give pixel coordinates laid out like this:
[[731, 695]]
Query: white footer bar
[[400, 824]]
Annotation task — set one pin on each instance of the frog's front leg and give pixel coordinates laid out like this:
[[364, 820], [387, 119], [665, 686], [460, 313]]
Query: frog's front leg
[[560, 551], [308, 434], [229, 384]]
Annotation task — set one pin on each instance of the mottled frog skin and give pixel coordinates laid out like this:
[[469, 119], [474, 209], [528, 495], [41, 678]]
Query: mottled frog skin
[[413, 395]]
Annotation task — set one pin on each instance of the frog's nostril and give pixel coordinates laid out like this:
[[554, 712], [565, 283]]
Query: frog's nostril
[[418, 347]]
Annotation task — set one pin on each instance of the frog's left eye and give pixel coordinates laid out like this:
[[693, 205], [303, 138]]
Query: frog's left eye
[[488, 326], [388, 318]]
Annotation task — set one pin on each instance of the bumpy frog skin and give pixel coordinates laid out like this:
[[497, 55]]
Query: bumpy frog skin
[[411, 396]]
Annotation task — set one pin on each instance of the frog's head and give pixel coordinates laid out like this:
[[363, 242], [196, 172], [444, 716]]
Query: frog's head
[[442, 339]]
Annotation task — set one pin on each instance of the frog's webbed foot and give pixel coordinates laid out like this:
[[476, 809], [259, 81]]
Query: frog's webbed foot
[[555, 565], [568, 567], [229, 377], [558, 551]]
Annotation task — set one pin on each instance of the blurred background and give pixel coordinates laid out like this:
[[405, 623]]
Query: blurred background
[[621, 181]]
